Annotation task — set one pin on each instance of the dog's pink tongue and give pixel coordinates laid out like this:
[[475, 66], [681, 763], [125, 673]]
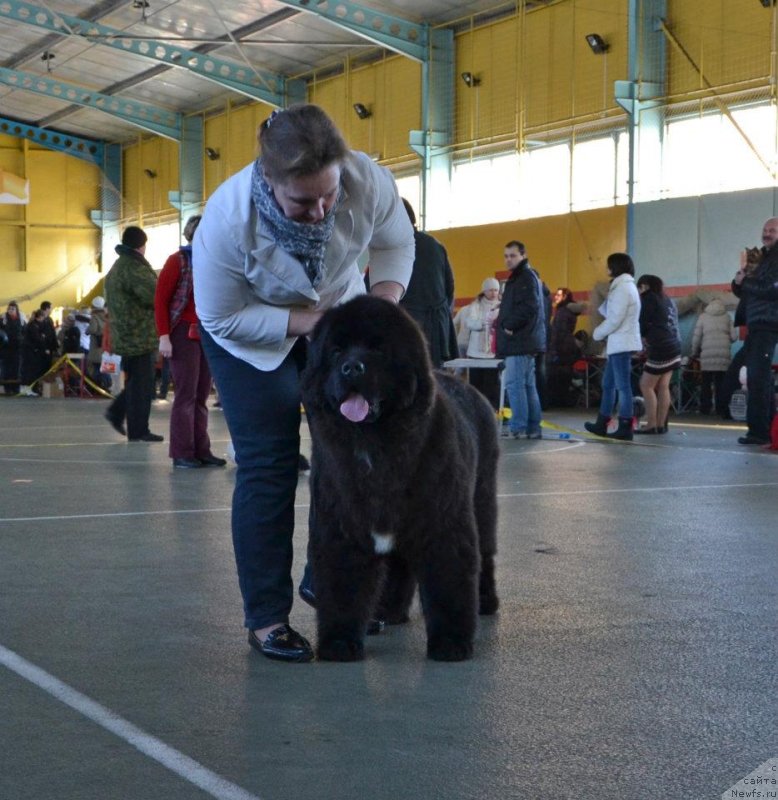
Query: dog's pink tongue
[[354, 408]]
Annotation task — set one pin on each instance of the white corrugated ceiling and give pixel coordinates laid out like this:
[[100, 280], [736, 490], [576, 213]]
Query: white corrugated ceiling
[[262, 35]]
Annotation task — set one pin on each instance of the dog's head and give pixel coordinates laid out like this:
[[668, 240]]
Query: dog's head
[[366, 362]]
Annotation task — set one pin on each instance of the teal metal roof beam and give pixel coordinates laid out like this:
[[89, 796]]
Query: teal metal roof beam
[[258, 85], [385, 30], [142, 115], [85, 149]]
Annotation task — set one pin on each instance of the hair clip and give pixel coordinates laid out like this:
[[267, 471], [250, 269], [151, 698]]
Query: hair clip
[[272, 116]]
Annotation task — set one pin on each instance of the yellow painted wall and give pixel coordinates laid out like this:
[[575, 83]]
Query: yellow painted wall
[[391, 90], [563, 77], [49, 247], [729, 40], [567, 250], [145, 196]]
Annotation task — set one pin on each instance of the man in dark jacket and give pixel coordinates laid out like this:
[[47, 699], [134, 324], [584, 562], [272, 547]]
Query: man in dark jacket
[[758, 292], [521, 335], [430, 294], [129, 294]]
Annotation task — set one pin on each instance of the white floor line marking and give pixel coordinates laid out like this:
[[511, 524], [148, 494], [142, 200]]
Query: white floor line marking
[[52, 445], [537, 451], [83, 444], [169, 512], [168, 757], [100, 462], [642, 489]]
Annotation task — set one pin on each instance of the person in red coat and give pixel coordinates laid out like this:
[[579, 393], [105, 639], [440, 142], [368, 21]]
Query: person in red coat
[[179, 341]]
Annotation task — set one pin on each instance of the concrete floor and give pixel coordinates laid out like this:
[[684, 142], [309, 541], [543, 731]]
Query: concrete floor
[[634, 655]]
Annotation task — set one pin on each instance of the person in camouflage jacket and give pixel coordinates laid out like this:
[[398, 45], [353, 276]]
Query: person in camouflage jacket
[[129, 294]]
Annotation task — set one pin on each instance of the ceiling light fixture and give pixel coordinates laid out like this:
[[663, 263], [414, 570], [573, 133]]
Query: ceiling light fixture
[[149, 173], [470, 79], [212, 154], [47, 56], [597, 43], [362, 111], [768, 3]]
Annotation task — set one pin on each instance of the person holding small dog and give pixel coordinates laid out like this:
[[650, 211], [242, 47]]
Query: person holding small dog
[[278, 244], [758, 292]]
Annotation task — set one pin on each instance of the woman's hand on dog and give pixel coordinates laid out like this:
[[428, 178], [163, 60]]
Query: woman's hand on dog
[[302, 321]]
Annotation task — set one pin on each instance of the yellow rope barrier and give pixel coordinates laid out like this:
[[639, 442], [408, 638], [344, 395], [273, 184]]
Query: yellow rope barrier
[[66, 360]]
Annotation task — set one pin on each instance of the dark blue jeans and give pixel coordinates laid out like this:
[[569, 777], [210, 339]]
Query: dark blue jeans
[[617, 378], [522, 394], [262, 411]]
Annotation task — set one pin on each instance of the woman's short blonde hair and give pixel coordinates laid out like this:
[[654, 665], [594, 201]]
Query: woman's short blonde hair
[[301, 140]]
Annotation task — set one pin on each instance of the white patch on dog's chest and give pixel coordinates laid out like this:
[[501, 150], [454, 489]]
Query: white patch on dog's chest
[[384, 542]]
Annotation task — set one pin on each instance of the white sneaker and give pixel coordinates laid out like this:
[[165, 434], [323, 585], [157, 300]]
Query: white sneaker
[[27, 391]]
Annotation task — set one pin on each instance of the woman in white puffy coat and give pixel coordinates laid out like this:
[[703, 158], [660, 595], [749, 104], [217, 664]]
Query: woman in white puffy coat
[[621, 327], [712, 343], [474, 325], [474, 322]]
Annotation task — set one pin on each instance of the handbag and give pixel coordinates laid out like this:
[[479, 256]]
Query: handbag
[[110, 364]]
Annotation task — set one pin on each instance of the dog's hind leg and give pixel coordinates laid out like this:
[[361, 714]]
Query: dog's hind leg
[[486, 521], [448, 588], [399, 587]]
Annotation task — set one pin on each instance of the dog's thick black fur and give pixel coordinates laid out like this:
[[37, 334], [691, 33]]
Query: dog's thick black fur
[[404, 477]]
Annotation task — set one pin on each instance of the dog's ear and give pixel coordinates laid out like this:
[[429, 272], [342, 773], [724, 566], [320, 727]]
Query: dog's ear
[[313, 359]]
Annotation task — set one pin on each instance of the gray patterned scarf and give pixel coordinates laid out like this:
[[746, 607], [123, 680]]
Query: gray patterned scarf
[[305, 241]]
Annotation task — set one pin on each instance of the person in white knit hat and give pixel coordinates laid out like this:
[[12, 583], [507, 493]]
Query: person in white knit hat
[[475, 324]]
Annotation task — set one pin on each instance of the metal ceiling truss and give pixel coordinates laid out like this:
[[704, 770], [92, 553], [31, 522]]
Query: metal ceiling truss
[[143, 115], [434, 49], [259, 85], [85, 149], [394, 33]]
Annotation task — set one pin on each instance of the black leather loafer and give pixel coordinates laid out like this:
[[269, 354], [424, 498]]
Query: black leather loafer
[[750, 439], [149, 437], [283, 644], [187, 463], [116, 424], [212, 461]]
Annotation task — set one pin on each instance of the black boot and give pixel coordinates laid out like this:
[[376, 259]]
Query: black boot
[[624, 431], [600, 426]]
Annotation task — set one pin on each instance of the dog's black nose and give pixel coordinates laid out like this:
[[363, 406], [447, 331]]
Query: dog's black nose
[[352, 368]]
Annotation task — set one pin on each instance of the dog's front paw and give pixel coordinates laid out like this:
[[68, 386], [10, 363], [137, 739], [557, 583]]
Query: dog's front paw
[[340, 650], [442, 648], [488, 603]]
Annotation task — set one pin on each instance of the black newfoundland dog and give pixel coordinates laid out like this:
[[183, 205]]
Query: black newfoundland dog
[[403, 485]]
